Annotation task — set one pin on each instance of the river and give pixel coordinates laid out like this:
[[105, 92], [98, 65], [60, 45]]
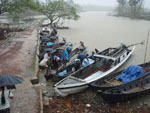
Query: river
[[99, 30]]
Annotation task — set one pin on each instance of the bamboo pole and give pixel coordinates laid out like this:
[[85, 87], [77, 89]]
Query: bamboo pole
[[144, 62], [146, 47]]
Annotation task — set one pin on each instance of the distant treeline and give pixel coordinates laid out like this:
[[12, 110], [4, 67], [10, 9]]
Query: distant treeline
[[95, 8], [132, 9]]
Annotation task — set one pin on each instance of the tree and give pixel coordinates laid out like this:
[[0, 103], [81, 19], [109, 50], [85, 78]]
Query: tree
[[121, 6], [136, 6], [18, 8], [4, 5], [59, 9], [130, 8]]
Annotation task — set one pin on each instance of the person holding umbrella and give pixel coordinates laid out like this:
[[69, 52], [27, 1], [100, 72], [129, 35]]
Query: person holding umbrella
[[7, 80], [4, 100]]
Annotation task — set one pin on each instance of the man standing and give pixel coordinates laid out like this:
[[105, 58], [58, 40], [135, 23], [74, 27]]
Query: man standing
[[4, 100]]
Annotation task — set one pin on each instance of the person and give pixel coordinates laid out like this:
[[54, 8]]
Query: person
[[43, 65], [4, 100], [82, 46], [47, 55], [69, 49], [82, 57], [55, 60], [65, 55], [54, 32], [76, 65]]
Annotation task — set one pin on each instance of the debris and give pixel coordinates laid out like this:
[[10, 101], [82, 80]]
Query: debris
[[88, 105]]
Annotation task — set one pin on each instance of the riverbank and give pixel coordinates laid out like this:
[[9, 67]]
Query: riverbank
[[17, 59]]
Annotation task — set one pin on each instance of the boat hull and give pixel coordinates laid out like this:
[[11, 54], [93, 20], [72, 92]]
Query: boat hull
[[82, 78], [70, 90], [131, 90], [98, 85]]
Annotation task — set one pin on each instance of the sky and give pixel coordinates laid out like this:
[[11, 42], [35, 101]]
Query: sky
[[105, 2]]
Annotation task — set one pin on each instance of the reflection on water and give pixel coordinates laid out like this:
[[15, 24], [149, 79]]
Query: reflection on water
[[98, 30]]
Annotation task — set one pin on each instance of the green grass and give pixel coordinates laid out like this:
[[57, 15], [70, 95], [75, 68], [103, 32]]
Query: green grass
[[34, 60]]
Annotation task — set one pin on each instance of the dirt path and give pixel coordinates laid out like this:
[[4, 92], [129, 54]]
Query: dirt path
[[17, 59]]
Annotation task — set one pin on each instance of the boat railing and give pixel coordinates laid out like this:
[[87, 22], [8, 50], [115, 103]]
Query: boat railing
[[118, 52], [78, 79]]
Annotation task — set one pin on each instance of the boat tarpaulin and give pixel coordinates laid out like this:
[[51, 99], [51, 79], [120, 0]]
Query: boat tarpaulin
[[50, 43], [130, 73]]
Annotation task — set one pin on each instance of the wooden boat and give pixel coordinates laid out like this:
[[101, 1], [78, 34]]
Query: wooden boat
[[125, 92], [110, 81], [56, 45], [72, 56], [76, 51], [44, 31], [106, 62]]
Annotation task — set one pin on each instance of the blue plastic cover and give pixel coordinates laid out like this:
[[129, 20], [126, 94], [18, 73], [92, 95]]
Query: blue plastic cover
[[130, 73], [63, 73], [50, 43]]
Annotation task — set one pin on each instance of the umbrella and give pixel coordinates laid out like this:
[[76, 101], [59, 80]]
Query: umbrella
[[10, 80]]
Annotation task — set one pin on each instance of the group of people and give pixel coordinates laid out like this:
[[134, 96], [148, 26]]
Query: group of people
[[54, 60], [81, 61]]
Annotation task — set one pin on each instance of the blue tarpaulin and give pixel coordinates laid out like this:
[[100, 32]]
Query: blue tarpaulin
[[130, 73], [63, 73], [49, 43]]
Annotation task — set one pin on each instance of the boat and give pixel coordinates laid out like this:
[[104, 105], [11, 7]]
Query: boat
[[110, 81], [68, 68], [53, 45], [105, 63], [44, 31], [126, 92], [76, 51]]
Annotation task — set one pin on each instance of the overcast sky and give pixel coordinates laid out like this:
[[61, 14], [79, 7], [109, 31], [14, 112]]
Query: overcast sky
[[105, 2]]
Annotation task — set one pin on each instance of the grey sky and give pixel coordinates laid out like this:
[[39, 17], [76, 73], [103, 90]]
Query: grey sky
[[105, 2]]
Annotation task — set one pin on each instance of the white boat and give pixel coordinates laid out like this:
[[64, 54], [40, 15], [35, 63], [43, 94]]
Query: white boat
[[106, 62]]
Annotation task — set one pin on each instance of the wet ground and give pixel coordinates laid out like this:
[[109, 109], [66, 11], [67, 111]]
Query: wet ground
[[89, 102], [17, 59]]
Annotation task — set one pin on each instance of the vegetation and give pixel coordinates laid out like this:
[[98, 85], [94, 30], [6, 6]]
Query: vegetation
[[59, 9], [53, 9], [131, 8]]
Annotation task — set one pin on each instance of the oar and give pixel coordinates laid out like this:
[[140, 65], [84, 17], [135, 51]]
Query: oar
[[136, 44]]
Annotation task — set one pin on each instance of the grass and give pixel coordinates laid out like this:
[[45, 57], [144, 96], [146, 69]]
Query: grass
[[34, 59]]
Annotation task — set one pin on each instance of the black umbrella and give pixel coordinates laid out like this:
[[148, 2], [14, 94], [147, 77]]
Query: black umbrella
[[6, 80]]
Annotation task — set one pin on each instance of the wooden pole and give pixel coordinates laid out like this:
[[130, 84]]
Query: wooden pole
[[144, 62], [146, 47]]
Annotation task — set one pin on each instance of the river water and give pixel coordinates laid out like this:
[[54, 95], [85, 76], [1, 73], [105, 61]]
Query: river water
[[98, 30]]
